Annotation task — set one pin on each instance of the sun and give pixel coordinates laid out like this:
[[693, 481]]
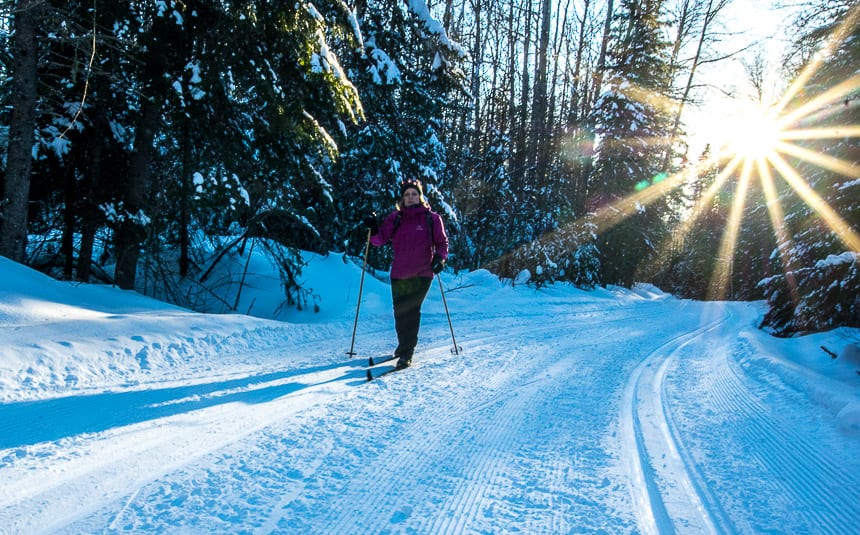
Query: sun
[[755, 144], [759, 145], [754, 132]]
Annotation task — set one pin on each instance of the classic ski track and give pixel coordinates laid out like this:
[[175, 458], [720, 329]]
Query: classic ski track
[[506, 409], [85, 476], [401, 449], [665, 487], [466, 332], [803, 470], [792, 476]]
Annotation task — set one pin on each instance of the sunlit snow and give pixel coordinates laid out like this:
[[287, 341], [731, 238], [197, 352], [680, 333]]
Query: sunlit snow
[[564, 411]]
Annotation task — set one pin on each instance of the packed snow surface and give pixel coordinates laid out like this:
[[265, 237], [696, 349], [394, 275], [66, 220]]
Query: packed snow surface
[[561, 411]]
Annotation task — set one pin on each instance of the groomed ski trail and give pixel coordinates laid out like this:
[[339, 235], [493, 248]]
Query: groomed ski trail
[[589, 419]]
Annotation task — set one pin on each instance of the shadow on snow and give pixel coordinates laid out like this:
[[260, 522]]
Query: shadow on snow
[[31, 422]]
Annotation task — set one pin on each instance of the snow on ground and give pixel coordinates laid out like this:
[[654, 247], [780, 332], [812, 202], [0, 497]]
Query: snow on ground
[[566, 411]]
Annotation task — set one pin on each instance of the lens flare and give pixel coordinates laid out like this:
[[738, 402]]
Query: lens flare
[[757, 142]]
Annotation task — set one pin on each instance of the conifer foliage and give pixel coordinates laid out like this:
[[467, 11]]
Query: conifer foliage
[[818, 285], [631, 124], [406, 73], [166, 119]]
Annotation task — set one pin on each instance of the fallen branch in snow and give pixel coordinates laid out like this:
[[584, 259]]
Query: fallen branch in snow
[[831, 353]]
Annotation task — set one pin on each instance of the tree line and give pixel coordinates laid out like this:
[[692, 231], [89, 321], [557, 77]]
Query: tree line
[[140, 136]]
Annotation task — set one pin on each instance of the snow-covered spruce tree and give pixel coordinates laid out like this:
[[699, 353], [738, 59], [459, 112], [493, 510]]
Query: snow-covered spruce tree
[[631, 124], [407, 71], [482, 192], [202, 118], [817, 298], [275, 87], [819, 288], [267, 75], [568, 254]]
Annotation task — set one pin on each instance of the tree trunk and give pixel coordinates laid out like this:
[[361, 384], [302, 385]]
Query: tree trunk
[[22, 121], [160, 57], [92, 181], [579, 108], [477, 54], [185, 202], [519, 121], [132, 232], [538, 124], [67, 243], [601, 59]]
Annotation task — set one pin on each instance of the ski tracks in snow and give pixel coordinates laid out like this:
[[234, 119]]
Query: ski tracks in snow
[[668, 494], [800, 470], [708, 450], [612, 420], [515, 440]]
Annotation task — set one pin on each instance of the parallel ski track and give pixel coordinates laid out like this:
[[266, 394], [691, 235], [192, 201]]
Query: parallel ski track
[[794, 484], [491, 423], [667, 492], [492, 419]]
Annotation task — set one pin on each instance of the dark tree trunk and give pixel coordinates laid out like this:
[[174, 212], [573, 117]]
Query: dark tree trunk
[[184, 203], [132, 232], [601, 59], [19, 159], [160, 57], [90, 185], [67, 245]]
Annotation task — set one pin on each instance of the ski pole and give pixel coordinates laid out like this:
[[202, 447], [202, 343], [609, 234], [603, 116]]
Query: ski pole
[[456, 349], [360, 288]]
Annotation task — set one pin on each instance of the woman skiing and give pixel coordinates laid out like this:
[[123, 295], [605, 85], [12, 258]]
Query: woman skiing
[[420, 249]]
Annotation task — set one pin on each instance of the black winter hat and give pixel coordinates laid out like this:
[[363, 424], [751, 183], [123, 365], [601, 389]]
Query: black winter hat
[[415, 184]]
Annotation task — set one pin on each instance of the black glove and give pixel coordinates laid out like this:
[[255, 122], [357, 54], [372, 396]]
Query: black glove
[[438, 264], [371, 223]]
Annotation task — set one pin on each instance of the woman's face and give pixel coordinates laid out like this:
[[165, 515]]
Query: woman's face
[[411, 197]]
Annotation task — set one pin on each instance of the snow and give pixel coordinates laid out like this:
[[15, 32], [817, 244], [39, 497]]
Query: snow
[[434, 26], [564, 411]]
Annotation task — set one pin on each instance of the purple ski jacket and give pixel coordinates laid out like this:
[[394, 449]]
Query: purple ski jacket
[[410, 241]]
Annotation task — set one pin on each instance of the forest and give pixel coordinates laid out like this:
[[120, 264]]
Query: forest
[[142, 141]]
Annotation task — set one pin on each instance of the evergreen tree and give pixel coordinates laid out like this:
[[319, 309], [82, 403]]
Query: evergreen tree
[[483, 195], [631, 125], [820, 286], [407, 73], [191, 117]]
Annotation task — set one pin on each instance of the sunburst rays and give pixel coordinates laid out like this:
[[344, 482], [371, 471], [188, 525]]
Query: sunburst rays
[[759, 148]]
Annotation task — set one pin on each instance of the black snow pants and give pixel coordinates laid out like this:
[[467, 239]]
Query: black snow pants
[[407, 296]]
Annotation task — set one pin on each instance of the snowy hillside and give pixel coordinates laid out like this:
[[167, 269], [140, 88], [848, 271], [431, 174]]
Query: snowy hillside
[[566, 411]]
